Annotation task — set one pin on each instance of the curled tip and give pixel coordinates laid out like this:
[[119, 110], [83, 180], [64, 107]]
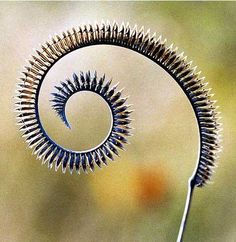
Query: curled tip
[[67, 124], [89, 82]]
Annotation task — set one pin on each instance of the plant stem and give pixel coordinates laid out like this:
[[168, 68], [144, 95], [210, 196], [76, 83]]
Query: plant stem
[[186, 210]]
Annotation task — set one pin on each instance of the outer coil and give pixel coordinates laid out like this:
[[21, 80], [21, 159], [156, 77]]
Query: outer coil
[[143, 43]]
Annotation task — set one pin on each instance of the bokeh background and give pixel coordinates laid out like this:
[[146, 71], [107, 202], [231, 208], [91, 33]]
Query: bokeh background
[[141, 196]]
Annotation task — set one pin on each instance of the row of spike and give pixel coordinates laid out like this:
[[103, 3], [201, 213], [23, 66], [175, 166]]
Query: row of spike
[[155, 49], [86, 82], [52, 154], [46, 150]]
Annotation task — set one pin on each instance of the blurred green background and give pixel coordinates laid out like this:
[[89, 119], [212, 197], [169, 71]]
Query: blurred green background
[[141, 196]]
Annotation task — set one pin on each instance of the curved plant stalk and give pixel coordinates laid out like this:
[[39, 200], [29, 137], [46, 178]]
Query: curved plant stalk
[[188, 201], [147, 45]]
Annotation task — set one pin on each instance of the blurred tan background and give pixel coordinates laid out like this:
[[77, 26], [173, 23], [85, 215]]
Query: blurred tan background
[[140, 197]]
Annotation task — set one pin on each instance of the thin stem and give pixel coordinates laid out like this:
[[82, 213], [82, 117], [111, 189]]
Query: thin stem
[[186, 210]]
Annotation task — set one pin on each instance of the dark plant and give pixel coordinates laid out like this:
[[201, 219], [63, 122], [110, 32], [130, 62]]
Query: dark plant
[[156, 50]]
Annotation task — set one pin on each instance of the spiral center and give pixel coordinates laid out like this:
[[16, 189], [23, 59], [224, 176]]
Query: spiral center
[[90, 120], [89, 117]]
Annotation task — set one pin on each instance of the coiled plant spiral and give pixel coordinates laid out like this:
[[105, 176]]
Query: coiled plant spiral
[[147, 45]]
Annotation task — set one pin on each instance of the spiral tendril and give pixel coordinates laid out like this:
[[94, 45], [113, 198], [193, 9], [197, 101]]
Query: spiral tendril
[[139, 41]]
